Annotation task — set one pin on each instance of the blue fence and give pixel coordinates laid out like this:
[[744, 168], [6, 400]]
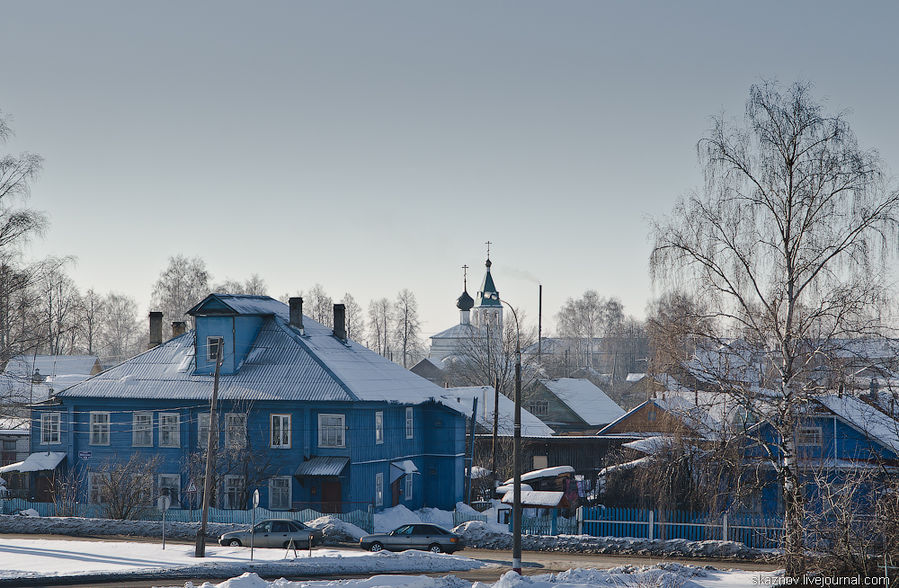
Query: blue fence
[[751, 530], [361, 518]]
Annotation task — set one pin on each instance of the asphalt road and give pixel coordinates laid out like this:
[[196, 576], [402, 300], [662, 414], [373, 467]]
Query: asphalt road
[[499, 562]]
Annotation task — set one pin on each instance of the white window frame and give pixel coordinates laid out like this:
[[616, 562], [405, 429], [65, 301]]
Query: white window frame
[[379, 427], [51, 428], [379, 489], [324, 437], [141, 430], [283, 440], [271, 493], [236, 430], [169, 432], [211, 343], [203, 430], [232, 486], [99, 430], [170, 482], [408, 495], [410, 422], [94, 488]]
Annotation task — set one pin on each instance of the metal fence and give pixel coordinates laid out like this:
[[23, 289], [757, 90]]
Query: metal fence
[[363, 518], [750, 529]]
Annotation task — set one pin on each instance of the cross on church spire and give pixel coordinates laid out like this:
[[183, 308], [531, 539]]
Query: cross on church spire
[[465, 277], [488, 249]]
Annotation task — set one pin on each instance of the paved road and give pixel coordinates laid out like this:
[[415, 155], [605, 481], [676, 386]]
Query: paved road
[[499, 562]]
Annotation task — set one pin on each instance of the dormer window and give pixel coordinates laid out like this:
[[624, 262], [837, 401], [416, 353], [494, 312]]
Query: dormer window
[[212, 347]]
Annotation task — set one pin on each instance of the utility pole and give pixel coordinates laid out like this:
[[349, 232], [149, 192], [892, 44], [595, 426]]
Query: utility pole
[[495, 427], [200, 550]]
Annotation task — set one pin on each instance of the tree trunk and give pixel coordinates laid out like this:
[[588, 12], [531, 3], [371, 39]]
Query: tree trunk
[[794, 510]]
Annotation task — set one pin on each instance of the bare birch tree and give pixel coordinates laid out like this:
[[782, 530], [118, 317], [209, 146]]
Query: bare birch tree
[[407, 327], [786, 244], [379, 318], [180, 285], [355, 320]]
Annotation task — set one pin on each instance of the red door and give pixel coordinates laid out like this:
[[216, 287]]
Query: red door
[[331, 498]]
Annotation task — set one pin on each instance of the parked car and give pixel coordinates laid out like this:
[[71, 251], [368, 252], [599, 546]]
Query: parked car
[[417, 536], [274, 533]]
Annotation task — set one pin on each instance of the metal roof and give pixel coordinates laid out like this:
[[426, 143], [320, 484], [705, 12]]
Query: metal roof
[[281, 365], [586, 399], [321, 465], [244, 304]]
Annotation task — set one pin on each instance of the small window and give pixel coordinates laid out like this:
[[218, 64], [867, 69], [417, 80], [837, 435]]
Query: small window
[[379, 427], [170, 485], [97, 487], [50, 428], [809, 437], [408, 487], [539, 408], [410, 424], [212, 347], [331, 429], [99, 428], [203, 430], [379, 489], [169, 429], [281, 431], [279, 493], [142, 429], [236, 430], [235, 492]]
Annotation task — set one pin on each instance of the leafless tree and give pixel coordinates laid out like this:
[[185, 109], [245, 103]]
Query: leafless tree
[[355, 321], [407, 327], [786, 244], [674, 322], [379, 319], [126, 487], [119, 331], [254, 285], [90, 312], [64, 490], [180, 285], [320, 305], [59, 306]]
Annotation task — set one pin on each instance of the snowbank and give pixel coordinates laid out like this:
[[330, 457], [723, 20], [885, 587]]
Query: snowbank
[[336, 530], [391, 518], [494, 536], [78, 526]]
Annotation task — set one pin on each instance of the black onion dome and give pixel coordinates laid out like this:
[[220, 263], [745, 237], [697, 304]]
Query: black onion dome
[[465, 302]]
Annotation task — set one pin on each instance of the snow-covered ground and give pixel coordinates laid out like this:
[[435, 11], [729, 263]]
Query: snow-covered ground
[[663, 576], [34, 558]]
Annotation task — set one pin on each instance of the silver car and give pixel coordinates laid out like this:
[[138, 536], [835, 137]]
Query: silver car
[[274, 533], [418, 536]]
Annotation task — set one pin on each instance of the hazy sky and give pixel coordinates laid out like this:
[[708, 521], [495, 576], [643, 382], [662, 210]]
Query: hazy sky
[[374, 146]]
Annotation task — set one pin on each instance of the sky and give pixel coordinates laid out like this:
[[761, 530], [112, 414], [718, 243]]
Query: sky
[[376, 146]]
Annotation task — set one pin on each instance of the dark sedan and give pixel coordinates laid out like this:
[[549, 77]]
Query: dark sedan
[[418, 536], [274, 533]]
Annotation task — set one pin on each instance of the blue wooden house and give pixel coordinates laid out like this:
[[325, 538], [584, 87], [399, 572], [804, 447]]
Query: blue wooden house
[[307, 416]]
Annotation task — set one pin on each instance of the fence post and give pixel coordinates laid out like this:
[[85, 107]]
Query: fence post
[[652, 517], [371, 518], [724, 533], [580, 520]]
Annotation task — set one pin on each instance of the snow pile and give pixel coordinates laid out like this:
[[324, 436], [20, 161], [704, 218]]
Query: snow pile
[[336, 530], [495, 536], [465, 510], [391, 518], [78, 526], [251, 580], [29, 512]]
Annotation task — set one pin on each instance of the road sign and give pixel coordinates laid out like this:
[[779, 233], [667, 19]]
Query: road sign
[[191, 488], [84, 454], [255, 498], [163, 502]]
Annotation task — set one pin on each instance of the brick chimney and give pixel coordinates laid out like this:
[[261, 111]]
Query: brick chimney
[[296, 313], [340, 322], [178, 328], [155, 329]]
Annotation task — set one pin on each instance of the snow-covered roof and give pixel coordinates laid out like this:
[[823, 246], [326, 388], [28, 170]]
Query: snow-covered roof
[[322, 465], [650, 445], [15, 426], [58, 371], [460, 331], [635, 377], [629, 465], [543, 473], [865, 418], [535, 498], [531, 426], [509, 487], [281, 365], [586, 399], [36, 462]]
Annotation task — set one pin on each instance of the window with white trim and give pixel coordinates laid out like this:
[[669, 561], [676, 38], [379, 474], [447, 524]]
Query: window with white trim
[[97, 483], [236, 430], [50, 427], [142, 429], [809, 437], [331, 430], [235, 492], [279, 493], [379, 427], [212, 348], [170, 485], [99, 428], [280, 431], [379, 489], [410, 424], [203, 430], [169, 429], [408, 487]]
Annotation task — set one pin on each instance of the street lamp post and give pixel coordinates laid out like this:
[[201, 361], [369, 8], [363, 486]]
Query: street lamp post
[[516, 453]]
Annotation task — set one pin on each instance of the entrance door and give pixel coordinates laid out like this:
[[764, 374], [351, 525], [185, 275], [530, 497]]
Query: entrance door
[[43, 487], [331, 496], [395, 492]]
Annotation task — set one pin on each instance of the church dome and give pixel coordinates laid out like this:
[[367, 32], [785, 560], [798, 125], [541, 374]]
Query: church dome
[[465, 301]]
